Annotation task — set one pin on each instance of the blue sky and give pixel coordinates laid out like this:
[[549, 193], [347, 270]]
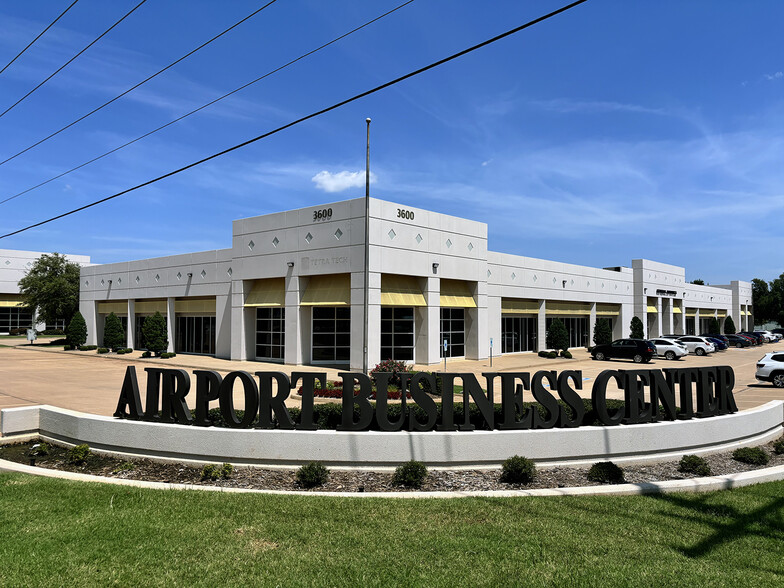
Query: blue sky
[[614, 131]]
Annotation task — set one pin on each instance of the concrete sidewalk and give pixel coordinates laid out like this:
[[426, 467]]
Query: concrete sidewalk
[[88, 382]]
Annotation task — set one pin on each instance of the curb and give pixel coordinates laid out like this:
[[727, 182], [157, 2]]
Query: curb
[[707, 484]]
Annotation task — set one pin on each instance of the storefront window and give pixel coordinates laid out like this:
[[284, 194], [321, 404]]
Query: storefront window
[[453, 330], [397, 333], [331, 334], [270, 333], [518, 333]]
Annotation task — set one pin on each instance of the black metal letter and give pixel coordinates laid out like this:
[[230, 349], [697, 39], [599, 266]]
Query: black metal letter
[[599, 398], [227, 400], [269, 404], [129, 397], [572, 399], [362, 400], [308, 385], [207, 389]]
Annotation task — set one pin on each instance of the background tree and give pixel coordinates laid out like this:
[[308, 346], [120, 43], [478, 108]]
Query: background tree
[[767, 299], [729, 326], [638, 331], [713, 326], [557, 337], [602, 334], [154, 333], [113, 333], [698, 281], [76, 331], [51, 286]]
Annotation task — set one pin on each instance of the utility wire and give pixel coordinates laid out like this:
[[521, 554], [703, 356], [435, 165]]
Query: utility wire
[[63, 66], [132, 141], [304, 118], [131, 89], [30, 44]]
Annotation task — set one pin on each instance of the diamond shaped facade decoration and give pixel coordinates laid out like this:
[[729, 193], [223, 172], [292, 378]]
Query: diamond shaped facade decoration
[[87, 282], [203, 274], [229, 272], [138, 279], [554, 280], [102, 282], [449, 243], [308, 237], [535, 278], [418, 238], [470, 246], [179, 276], [391, 234], [338, 234], [251, 244], [119, 280], [489, 273], [7, 262], [514, 276], [157, 278], [275, 241]]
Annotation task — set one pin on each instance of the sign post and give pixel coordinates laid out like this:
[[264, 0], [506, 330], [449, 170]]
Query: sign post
[[446, 346], [31, 335], [491, 352]]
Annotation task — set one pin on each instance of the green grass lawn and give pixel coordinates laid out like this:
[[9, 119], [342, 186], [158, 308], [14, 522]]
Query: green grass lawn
[[56, 533]]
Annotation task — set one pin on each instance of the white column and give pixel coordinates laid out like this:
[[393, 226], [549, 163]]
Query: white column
[[238, 342], [170, 317], [476, 337], [494, 318], [223, 326], [428, 338], [89, 310], [541, 327], [591, 324], [292, 352], [130, 336]]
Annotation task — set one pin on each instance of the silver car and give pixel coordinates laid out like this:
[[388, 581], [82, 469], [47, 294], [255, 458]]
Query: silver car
[[669, 348], [771, 368], [697, 345]]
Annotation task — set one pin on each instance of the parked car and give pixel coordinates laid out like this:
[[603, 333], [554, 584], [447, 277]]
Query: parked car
[[669, 348], [738, 341], [778, 331], [751, 340], [717, 336], [769, 337], [771, 368], [697, 345], [638, 350], [758, 339], [717, 343]]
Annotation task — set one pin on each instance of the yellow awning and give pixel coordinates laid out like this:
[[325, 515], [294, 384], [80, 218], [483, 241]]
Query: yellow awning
[[568, 308], [691, 312], [150, 307], [722, 313], [270, 292], [401, 291], [652, 309], [456, 294], [10, 301], [677, 310], [608, 309], [116, 306], [745, 313], [707, 312], [330, 290], [519, 306], [195, 305]]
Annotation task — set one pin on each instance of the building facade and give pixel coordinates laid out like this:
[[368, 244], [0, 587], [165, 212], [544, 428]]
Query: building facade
[[291, 289], [13, 267]]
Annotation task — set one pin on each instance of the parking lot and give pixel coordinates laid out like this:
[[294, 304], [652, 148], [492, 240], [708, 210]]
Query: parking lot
[[87, 382]]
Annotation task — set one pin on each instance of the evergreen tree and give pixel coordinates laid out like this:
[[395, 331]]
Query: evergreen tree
[[154, 333], [76, 331], [713, 326], [113, 333], [638, 331], [602, 334], [729, 326], [557, 337]]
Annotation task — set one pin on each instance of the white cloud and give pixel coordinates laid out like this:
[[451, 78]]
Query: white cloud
[[564, 105], [776, 76], [340, 181]]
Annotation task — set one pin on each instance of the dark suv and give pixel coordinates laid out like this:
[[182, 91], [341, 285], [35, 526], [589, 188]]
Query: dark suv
[[638, 350]]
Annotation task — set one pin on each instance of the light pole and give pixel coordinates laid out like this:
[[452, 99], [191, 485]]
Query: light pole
[[365, 331]]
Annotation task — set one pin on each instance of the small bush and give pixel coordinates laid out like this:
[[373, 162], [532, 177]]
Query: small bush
[[154, 333], [751, 455], [606, 472], [543, 353], [79, 454], [40, 449], [113, 333], [52, 332], [518, 470], [76, 331], [147, 354], [694, 464], [212, 472], [68, 348], [167, 355], [126, 466], [778, 446], [124, 350], [411, 474], [566, 354], [312, 474], [552, 355], [103, 350], [88, 347]]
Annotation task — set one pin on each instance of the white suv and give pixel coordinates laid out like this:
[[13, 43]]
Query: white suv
[[669, 348], [697, 345], [771, 368]]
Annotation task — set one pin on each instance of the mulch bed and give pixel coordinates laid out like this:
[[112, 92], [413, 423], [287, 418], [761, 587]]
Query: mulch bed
[[362, 481]]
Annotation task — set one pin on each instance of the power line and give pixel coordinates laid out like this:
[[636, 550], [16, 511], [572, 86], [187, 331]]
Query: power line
[[131, 89], [304, 118], [63, 66], [139, 138], [30, 44]]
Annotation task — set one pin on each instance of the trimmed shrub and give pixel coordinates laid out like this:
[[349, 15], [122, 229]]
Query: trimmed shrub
[[312, 474], [76, 331], [518, 470], [393, 367], [602, 333], [124, 350], [103, 350], [88, 347], [713, 325], [557, 337], [778, 446], [606, 472], [212, 472], [167, 355], [126, 466], [552, 355], [694, 464], [146, 354], [729, 326], [52, 332], [637, 329], [40, 449], [154, 333], [113, 334], [411, 474], [543, 354], [751, 455], [78, 454], [566, 354]]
